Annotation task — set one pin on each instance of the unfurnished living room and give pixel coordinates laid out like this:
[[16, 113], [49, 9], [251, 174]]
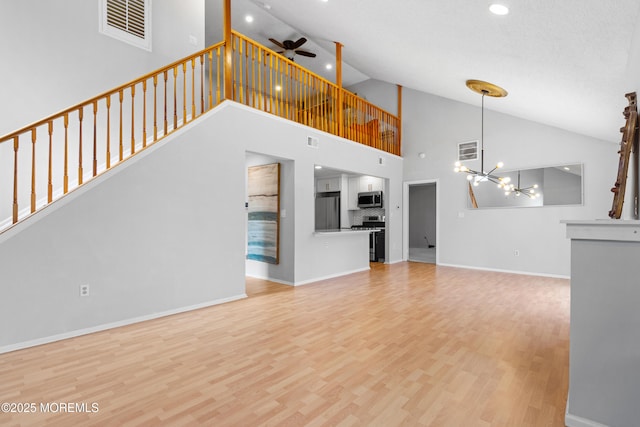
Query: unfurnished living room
[[281, 213]]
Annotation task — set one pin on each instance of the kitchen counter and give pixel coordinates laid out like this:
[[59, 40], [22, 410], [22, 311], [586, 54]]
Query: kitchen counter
[[344, 231]]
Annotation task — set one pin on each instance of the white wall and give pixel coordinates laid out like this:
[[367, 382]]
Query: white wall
[[54, 57], [165, 231], [157, 234], [487, 238], [272, 136]]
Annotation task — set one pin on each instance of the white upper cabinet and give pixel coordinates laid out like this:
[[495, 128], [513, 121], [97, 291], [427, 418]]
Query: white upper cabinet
[[324, 185]]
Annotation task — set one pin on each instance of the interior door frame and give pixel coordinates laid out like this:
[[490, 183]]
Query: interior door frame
[[405, 219]]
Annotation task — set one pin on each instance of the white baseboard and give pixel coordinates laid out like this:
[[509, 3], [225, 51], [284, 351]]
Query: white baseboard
[[575, 421], [85, 331], [332, 276], [270, 279], [498, 270]]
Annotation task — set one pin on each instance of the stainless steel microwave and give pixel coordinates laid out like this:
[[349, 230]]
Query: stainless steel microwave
[[370, 199]]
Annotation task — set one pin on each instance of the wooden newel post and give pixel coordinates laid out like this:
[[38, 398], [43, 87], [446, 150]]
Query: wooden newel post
[[340, 116], [228, 51], [399, 142]]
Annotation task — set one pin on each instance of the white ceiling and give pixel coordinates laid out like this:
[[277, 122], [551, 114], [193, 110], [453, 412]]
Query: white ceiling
[[566, 63]]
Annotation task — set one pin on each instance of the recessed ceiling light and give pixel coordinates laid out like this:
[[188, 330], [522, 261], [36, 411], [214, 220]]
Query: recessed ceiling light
[[498, 9], [248, 18], [318, 167], [278, 88], [328, 66], [567, 168]]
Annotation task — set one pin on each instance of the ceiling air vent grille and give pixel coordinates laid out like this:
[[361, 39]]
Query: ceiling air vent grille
[[468, 151], [127, 20]]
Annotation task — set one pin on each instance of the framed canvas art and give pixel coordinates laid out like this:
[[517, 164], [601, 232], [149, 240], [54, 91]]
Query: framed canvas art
[[263, 231]]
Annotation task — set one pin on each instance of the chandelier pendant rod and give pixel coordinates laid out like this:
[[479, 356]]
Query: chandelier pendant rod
[[484, 92]]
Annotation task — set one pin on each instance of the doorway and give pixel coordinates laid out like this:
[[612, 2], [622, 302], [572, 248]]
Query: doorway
[[421, 222]]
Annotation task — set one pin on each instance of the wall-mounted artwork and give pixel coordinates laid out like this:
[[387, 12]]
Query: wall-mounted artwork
[[263, 190]]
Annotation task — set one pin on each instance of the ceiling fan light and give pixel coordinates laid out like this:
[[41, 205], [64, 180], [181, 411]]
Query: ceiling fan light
[[498, 9]]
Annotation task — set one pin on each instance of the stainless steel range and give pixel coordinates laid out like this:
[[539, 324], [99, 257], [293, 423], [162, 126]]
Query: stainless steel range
[[376, 238]]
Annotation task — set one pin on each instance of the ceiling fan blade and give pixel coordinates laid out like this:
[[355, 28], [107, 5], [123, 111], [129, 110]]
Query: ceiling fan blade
[[305, 53], [277, 43], [299, 43]]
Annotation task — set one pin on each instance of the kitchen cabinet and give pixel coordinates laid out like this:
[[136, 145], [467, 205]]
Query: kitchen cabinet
[[354, 189], [324, 185], [371, 183]]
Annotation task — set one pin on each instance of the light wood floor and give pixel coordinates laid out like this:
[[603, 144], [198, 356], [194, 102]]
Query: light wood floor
[[409, 344]]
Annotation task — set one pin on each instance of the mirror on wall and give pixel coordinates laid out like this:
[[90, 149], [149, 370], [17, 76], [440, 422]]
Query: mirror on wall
[[549, 186]]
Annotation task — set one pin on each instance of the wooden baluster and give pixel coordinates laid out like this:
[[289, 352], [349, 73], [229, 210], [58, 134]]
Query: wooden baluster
[[50, 172], [175, 97], [144, 113], [80, 171], [166, 122], [95, 138], [277, 83], [253, 75], [155, 108], [287, 91], [108, 153], [66, 153], [241, 70], [325, 105], [133, 121], [246, 70], [193, 88], [201, 84], [33, 170], [220, 70], [184, 93], [263, 79], [269, 83], [211, 79], [16, 145], [121, 153]]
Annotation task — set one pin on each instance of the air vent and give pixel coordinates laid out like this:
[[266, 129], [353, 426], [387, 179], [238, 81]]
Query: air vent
[[468, 151], [127, 20]]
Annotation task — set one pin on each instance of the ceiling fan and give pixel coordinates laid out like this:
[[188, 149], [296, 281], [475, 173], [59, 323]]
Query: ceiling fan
[[291, 48]]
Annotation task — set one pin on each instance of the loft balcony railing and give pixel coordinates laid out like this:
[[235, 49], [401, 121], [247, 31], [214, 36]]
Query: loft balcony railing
[[46, 159]]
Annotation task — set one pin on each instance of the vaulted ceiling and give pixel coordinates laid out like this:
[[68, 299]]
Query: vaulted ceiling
[[564, 63]]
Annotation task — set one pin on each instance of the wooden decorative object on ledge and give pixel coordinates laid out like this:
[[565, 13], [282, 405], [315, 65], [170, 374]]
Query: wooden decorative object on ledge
[[628, 145]]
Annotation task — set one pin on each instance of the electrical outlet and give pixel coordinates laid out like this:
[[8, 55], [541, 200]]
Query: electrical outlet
[[516, 252], [84, 290]]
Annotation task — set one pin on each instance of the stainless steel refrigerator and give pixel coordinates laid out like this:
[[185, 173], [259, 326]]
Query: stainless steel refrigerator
[[328, 211]]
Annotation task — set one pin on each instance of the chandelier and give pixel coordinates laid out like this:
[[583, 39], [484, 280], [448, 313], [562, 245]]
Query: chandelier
[[476, 177]]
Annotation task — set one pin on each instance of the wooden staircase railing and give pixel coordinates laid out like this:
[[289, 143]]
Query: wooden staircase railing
[[45, 160], [105, 130]]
